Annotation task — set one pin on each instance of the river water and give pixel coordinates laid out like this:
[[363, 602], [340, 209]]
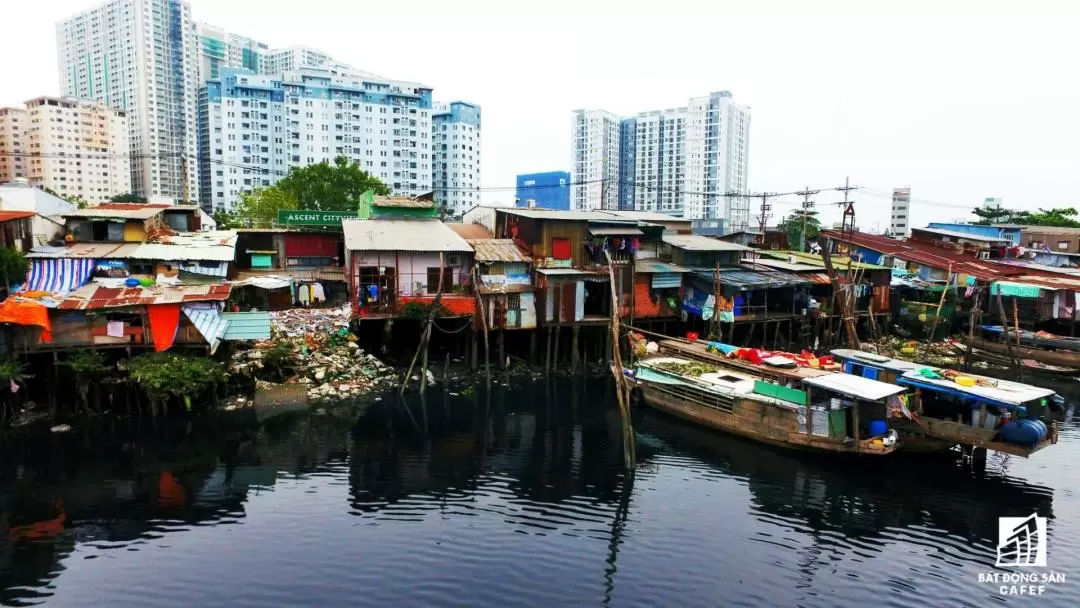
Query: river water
[[511, 498]]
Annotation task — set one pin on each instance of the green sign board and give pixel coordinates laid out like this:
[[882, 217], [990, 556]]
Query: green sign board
[[298, 217]]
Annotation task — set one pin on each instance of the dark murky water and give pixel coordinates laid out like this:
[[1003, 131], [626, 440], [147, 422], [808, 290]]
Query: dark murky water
[[515, 500]]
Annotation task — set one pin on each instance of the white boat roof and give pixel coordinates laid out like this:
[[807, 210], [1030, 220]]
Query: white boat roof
[[855, 386], [1005, 392], [889, 363]]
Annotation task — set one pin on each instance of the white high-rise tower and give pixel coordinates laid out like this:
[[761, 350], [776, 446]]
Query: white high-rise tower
[[140, 56]]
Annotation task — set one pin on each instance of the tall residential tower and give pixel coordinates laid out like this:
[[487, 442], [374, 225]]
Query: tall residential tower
[[456, 156], [689, 161], [139, 56]]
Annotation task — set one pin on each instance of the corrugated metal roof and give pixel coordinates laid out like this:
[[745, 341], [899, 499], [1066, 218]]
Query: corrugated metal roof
[[214, 246], [655, 267], [751, 279], [960, 235], [471, 231], [928, 255], [645, 216], [696, 242], [615, 231], [497, 250], [143, 212], [512, 288], [855, 386], [131, 206], [785, 265], [246, 325], [402, 201], [574, 216], [839, 262], [567, 272], [94, 296], [1069, 283], [7, 216], [401, 235]]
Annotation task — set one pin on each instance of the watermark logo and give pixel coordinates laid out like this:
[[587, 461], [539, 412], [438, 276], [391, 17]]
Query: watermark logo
[[1021, 541]]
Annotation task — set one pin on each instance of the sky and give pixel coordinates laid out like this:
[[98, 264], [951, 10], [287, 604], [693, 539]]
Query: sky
[[958, 100]]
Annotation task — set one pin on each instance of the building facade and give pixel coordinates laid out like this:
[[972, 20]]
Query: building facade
[[255, 127], [690, 161], [594, 162], [455, 174], [13, 123], [549, 190], [74, 147], [140, 56], [900, 218], [219, 48]]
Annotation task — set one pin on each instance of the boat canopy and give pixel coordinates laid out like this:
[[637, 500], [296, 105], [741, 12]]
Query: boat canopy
[[1009, 394], [855, 386]]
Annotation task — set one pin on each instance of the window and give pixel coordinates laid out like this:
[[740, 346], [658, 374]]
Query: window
[[433, 279], [1063, 245], [1035, 245], [560, 248]]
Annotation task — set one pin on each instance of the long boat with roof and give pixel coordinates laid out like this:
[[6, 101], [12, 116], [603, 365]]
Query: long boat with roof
[[966, 409], [824, 412]]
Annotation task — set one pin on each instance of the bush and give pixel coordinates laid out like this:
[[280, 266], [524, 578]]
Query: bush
[[165, 375]]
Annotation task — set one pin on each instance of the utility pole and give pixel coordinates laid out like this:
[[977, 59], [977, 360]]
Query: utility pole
[[847, 229], [763, 219], [806, 207]]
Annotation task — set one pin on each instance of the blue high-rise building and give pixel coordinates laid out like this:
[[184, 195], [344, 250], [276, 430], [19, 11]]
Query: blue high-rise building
[[549, 190]]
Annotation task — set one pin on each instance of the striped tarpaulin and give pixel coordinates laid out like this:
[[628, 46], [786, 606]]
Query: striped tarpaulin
[[59, 275], [212, 269], [208, 320]]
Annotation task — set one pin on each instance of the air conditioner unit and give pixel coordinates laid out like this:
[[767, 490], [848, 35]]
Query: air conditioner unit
[[453, 260]]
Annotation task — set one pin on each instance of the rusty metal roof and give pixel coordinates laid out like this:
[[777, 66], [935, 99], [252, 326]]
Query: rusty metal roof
[[402, 201], [696, 242], [497, 250], [210, 246], [143, 212], [7, 216], [96, 297], [485, 290]]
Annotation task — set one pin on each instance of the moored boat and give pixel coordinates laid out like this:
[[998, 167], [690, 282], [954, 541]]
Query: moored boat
[[962, 408], [824, 412]]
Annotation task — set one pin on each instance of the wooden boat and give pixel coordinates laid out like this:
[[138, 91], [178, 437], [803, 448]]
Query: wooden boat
[[1049, 369], [821, 414], [1039, 340], [968, 413], [1066, 359]]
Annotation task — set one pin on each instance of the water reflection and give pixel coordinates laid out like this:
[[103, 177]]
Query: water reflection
[[522, 486]]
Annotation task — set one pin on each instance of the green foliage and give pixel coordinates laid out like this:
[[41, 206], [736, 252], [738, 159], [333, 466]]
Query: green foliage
[[1063, 217], [419, 311], [86, 363], [259, 208], [127, 197], [329, 187], [79, 201], [12, 369], [228, 221], [792, 225], [13, 265], [165, 375]]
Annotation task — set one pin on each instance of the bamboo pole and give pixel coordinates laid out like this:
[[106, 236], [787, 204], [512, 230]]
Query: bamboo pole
[[1016, 322], [425, 336], [483, 321], [622, 388], [849, 323], [971, 330], [937, 314], [1005, 329]]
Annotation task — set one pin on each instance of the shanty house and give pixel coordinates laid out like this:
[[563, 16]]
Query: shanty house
[[129, 222], [16, 230], [393, 263], [504, 285]]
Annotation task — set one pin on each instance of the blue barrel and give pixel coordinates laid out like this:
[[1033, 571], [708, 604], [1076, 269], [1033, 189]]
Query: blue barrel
[[1025, 432], [878, 428]]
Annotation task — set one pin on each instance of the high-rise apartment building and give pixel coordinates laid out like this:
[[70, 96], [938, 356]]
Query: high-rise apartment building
[[255, 127], [595, 160], [456, 156], [13, 123], [140, 56], [900, 218], [548, 190], [74, 147], [219, 49], [689, 161]]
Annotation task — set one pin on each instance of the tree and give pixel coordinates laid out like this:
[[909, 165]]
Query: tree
[[127, 197], [227, 220], [79, 201], [1064, 217], [13, 266], [260, 207], [329, 187], [793, 224]]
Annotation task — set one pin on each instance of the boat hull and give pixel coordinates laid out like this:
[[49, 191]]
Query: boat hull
[[751, 419], [1049, 357]]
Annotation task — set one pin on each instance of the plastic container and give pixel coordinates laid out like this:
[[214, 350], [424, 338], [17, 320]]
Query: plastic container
[[132, 282], [878, 428], [1026, 432], [965, 381], [692, 336]]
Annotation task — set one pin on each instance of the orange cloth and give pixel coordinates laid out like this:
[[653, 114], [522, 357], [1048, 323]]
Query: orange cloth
[[164, 320], [25, 312]]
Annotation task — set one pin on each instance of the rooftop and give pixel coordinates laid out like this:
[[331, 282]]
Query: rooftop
[[696, 242], [646, 216], [471, 231], [813, 259], [497, 250], [210, 246], [7, 216], [96, 296], [960, 235], [130, 211], [569, 216], [927, 254], [401, 235], [403, 202], [743, 279]]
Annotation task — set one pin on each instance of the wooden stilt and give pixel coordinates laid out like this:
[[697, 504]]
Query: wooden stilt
[[502, 348], [547, 354], [473, 350], [532, 346], [575, 354], [555, 354]]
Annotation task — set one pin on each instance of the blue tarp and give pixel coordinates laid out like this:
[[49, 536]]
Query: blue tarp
[[59, 275]]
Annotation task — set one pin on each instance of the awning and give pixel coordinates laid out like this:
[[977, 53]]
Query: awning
[[1016, 290], [652, 266], [821, 278], [615, 231]]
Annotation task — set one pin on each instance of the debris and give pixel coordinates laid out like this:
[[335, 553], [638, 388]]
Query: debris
[[61, 428]]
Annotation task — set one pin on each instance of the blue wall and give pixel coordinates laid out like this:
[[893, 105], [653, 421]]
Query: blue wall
[[993, 232], [459, 111], [550, 190]]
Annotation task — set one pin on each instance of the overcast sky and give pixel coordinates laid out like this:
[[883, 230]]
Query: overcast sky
[[960, 103]]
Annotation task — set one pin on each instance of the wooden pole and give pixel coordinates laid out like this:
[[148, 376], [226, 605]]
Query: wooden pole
[[1005, 329], [622, 387], [502, 348], [555, 353], [849, 322], [971, 330], [1016, 322], [425, 336], [937, 313], [481, 306], [575, 354], [547, 353]]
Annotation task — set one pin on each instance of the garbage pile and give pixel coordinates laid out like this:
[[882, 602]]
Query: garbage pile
[[314, 348]]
